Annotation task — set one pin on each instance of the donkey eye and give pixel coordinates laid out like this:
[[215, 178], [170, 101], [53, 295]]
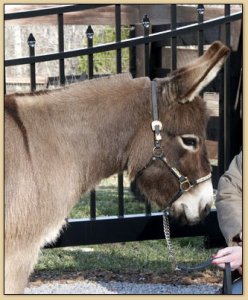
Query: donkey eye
[[189, 141]]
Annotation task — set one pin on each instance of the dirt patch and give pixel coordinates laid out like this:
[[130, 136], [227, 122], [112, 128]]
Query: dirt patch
[[204, 277]]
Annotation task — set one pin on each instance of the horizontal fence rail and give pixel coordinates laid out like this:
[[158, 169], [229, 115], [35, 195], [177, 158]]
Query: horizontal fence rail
[[134, 228], [154, 37], [51, 11]]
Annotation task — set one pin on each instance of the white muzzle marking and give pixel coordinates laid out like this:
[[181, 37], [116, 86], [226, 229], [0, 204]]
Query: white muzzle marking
[[194, 202]]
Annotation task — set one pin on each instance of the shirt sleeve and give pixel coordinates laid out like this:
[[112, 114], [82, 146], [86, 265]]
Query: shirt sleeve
[[229, 202]]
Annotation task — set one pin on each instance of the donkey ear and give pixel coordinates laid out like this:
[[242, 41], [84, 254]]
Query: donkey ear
[[191, 79]]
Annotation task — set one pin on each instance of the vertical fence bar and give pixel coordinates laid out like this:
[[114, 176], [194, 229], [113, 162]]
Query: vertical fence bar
[[119, 70], [31, 43], [61, 48], [146, 24], [132, 53], [90, 36], [173, 9], [4, 76], [200, 10], [93, 204], [118, 36], [225, 107], [227, 95], [120, 195]]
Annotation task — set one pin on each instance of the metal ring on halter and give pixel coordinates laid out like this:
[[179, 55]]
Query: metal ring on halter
[[158, 152], [185, 185]]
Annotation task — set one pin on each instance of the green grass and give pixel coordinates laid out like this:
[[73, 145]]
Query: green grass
[[146, 256], [107, 200]]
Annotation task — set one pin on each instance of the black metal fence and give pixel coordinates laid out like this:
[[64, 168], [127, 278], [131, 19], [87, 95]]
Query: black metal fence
[[149, 225]]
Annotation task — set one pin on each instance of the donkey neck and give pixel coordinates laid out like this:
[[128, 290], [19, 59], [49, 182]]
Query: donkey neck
[[93, 122]]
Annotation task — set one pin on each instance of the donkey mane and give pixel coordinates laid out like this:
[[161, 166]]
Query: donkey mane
[[106, 84]]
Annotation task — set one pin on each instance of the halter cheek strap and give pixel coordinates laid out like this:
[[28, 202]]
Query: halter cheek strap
[[184, 183]]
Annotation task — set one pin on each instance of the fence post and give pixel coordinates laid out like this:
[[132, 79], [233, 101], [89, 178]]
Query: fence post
[[173, 8], [118, 36], [90, 35], [225, 107], [61, 48], [119, 70], [132, 53], [227, 96], [31, 43], [4, 76], [200, 10], [146, 25], [93, 204]]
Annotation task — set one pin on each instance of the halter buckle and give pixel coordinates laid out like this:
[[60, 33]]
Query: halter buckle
[[156, 123], [185, 185]]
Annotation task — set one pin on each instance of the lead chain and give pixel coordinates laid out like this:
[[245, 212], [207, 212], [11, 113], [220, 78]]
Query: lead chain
[[171, 250], [172, 253]]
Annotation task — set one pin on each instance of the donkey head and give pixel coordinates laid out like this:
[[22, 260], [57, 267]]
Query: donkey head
[[184, 117]]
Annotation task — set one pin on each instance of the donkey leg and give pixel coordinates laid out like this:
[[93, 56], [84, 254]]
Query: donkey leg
[[18, 266]]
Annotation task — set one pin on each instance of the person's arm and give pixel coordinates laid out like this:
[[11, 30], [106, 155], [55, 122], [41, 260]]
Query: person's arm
[[229, 202]]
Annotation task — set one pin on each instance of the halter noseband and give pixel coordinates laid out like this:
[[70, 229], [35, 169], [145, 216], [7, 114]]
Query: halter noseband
[[184, 183]]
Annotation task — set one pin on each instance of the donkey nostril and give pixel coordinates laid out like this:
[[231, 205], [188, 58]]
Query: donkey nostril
[[191, 217], [204, 212], [184, 206], [207, 209]]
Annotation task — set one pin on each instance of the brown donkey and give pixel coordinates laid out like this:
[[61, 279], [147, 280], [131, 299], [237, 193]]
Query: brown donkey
[[61, 143]]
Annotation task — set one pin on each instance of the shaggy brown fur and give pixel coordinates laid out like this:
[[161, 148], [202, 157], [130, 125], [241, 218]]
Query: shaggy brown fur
[[62, 143]]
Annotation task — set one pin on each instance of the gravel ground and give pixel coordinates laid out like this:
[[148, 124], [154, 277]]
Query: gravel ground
[[113, 287]]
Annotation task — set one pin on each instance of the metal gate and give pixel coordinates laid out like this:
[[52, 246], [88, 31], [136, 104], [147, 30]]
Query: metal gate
[[124, 227]]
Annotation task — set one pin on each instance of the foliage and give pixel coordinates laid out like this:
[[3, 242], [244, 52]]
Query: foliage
[[105, 62]]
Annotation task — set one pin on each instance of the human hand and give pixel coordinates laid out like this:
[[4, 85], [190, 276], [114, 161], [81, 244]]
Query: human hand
[[233, 255]]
